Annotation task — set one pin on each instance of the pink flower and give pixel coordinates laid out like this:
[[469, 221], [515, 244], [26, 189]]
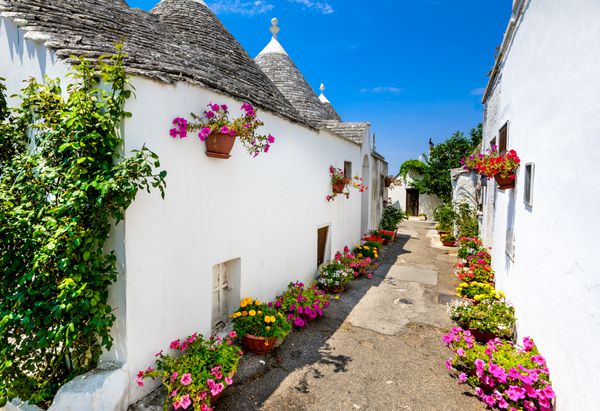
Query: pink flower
[[266, 149], [177, 404], [204, 133], [185, 402], [205, 407], [216, 389], [369, 275], [215, 107], [232, 334], [515, 393], [174, 376], [173, 132], [158, 354], [173, 394], [186, 379], [232, 132], [139, 382], [210, 115], [460, 352], [229, 380], [224, 107], [271, 139], [462, 378], [218, 375], [174, 344], [225, 130], [448, 363]]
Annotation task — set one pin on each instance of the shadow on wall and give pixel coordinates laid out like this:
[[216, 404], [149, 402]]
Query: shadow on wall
[[305, 348], [18, 47]]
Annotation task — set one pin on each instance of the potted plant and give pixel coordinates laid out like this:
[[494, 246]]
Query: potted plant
[[334, 277], [468, 246], [477, 291], [218, 132], [448, 240], [340, 183], [365, 250], [505, 376], [486, 321], [475, 270], [198, 371], [301, 304], [259, 325], [500, 166]]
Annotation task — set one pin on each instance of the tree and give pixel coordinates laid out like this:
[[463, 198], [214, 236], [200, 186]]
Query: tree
[[444, 157]]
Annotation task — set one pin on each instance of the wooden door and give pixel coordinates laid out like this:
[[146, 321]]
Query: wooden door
[[412, 201]]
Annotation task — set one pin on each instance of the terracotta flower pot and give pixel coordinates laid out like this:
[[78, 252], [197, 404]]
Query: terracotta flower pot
[[259, 345], [335, 290], [482, 336], [219, 145], [449, 243], [338, 187], [504, 183]]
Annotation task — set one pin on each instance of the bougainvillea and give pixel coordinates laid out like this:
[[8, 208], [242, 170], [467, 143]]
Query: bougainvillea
[[338, 177], [215, 122]]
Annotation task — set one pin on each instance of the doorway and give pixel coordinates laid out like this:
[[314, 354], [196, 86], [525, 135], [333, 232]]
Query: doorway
[[322, 236], [412, 202]]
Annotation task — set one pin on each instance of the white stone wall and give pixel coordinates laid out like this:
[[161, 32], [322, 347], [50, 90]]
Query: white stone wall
[[464, 187], [264, 211], [549, 92]]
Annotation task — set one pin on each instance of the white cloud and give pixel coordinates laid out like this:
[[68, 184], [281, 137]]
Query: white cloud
[[382, 90], [322, 6], [478, 91], [246, 8]]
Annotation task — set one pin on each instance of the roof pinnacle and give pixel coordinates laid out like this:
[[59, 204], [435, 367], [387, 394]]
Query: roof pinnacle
[[322, 96], [274, 28]]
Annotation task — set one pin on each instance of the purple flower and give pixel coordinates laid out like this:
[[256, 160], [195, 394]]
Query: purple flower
[[215, 107], [271, 139], [173, 132], [224, 107], [209, 114], [225, 130], [205, 132], [462, 378], [232, 132], [266, 149], [299, 322]]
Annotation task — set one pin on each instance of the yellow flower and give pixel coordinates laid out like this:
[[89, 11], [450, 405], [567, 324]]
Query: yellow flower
[[273, 319], [244, 313], [259, 313], [243, 304], [257, 302], [267, 319], [267, 328], [360, 255], [252, 313], [367, 248]]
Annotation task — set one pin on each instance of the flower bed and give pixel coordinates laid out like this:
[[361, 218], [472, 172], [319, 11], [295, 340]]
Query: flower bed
[[302, 304], [334, 276], [505, 376], [204, 368]]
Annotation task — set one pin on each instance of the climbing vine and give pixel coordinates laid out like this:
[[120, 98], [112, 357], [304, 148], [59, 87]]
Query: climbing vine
[[63, 183], [416, 166]]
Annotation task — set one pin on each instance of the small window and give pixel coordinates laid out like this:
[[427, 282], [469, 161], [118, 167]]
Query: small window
[[225, 293], [503, 139], [347, 169], [528, 191]]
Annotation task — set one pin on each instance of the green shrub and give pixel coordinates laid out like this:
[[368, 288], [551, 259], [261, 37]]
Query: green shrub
[[391, 217], [57, 206], [466, 221], [445, 215]]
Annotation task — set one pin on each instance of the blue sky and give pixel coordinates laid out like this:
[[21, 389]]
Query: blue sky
[[414, 69]]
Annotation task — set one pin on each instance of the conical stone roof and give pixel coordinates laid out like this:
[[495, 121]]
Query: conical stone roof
[[279, 67], [179, 40]]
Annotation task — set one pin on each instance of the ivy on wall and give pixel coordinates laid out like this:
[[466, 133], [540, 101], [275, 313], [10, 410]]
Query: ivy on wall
[[63, 183]]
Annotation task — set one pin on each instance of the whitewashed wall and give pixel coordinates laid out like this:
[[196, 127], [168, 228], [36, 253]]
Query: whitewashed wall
[[265, 211], [464, 187], [549, 91]]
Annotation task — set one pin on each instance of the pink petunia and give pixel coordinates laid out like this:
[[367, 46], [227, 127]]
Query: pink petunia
[[232, 334], [174, 376], [462, 378], [229, 380], [224, 130], [173, 394], [185, 402], [186, 379], [271, 139]]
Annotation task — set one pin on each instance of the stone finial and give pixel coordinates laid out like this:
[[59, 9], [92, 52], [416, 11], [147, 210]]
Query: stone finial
[[274, 28], [322, 88]]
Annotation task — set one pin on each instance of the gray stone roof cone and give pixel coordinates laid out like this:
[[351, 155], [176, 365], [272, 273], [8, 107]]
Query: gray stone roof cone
[[178, 40], [282, 71], [332, 114]]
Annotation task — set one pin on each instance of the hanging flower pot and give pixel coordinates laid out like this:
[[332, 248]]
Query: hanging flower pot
[[338, 187], [219, 145], [504, 182], [258, 345]]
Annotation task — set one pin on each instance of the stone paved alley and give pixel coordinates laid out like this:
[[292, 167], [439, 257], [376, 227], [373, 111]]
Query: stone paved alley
[[379, 347]]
